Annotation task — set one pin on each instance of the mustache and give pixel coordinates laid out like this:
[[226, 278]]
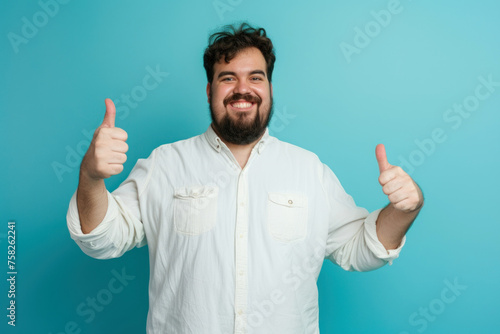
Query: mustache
[[246, 97]]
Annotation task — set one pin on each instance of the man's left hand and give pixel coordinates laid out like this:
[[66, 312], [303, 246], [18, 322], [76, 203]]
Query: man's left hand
[[404, 194]]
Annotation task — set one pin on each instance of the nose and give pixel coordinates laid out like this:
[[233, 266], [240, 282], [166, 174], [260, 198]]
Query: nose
[[242, 87]]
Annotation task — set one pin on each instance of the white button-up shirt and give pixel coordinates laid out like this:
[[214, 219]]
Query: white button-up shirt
[[234, 250]]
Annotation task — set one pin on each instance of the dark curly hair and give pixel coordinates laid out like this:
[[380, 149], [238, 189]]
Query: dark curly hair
[[231, 40]]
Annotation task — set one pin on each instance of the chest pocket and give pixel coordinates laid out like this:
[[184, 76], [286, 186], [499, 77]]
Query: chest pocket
[[195, 209], [287, 216]]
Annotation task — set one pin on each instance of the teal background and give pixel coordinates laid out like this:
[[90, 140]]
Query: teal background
[[395, 91]]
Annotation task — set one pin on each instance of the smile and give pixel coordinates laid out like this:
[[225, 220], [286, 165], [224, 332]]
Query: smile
[[242, 105]]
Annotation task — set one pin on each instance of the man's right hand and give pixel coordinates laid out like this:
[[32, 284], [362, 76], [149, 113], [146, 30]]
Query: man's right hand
[[106, 153]]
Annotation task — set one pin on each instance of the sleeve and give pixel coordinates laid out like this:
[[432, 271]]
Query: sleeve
[[352, 241], [121, 228]]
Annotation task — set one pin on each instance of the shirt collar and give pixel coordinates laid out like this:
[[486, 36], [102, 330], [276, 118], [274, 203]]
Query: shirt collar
[[217, 144]]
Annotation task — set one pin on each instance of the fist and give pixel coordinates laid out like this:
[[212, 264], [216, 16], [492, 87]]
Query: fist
[[106, 153], [404, 194]]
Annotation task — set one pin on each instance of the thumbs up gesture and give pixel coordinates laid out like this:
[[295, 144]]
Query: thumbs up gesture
[[106, 153], [404, 194]]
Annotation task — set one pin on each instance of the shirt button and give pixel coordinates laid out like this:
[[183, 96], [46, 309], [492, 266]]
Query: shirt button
[[242, 204], [290, 202], [241, 236], [240, 311], [242, 272]]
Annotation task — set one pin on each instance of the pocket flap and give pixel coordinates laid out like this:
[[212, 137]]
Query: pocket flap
[[196, 191], [289, 200]]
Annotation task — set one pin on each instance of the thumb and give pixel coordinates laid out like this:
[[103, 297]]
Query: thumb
[[109, 116], [383, 164]]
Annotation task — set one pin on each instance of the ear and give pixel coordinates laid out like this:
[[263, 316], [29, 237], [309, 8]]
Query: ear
[[271, 87], [208, 92]]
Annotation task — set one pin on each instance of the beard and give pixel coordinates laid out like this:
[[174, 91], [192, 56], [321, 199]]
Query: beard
[[242, 130]]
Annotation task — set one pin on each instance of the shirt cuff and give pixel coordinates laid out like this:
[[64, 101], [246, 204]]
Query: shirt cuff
[[374, 243], [97, 238]]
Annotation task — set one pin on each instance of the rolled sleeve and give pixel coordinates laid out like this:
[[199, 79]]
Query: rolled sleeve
[[352, 241], [374, 243], [118, 232]]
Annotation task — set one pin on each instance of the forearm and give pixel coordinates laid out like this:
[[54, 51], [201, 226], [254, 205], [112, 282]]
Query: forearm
[[392, 225], [92, 201]]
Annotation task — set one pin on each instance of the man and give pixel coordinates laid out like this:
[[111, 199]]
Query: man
[[237, 222]]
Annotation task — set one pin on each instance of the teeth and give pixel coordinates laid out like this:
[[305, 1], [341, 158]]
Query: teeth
[[242, 105]]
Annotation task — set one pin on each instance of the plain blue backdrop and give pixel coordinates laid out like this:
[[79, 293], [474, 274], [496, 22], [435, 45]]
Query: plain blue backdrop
[[422, 77]]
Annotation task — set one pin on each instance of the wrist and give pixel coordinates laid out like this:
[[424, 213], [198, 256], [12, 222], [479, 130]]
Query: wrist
[[87, 180]]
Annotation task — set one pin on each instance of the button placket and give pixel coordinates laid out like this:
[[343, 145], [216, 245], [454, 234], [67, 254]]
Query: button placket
[[241, 255]]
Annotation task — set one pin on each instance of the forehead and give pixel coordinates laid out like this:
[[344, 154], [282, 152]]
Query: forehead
[[246, 60]]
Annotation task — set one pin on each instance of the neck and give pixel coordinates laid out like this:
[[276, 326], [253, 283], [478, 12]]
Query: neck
[[240, 151]]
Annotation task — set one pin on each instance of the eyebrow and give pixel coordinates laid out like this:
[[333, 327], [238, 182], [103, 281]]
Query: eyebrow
[[223, 73]]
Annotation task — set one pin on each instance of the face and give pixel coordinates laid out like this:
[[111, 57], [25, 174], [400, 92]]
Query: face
[[240, 97]]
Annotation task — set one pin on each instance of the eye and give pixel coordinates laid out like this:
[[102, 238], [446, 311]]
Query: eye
[[256, 79], [227, 79]]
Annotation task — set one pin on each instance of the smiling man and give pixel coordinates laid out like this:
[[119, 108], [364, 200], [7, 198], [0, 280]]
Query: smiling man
[[237, 222], [240, 96]]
